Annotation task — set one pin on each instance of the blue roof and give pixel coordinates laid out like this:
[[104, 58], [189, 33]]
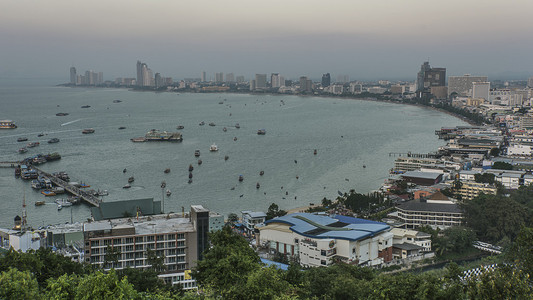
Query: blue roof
[[280, 266], [334, 227]]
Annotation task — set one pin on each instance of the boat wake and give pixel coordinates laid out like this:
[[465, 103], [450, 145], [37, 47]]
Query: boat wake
[[68, 123]]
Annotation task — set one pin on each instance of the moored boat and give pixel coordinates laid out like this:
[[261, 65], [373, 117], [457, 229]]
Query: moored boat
[[127, 186], [7, 124], [53, 140], [23, 150], [169, 193], [191, 167], [39, 203], [167, 170], [63, 202], [87, 131], [196, 152], [22, 139], [131, 179], [241, 178], [261, 132], [48, 193], [213, 148]]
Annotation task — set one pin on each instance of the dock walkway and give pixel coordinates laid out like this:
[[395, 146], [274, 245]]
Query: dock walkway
[[92, 200], [9, 164]]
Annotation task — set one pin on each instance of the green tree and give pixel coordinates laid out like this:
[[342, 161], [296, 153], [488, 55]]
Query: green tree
[[227, 263], [521, 252], [233, 218], [500, 165], [264, 283], [100, 285], [274, 211], [506, 282], [494, 152], [112, 255], [157, 262], [63, 287], [15, 284]]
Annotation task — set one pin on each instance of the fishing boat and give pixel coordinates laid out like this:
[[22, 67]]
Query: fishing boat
[[261, 173], [191, 167], [226, 157], [261, 132], [169, 193], [23, 150], [167, 170], [314, 152], [202, 123], [87, 131], [127, 186], [48, 193], [224, 129], [53, 141], [212, 124], [32, 144], [237, 126], [39, 203], [180, 127], [121, 127], [22, 139], [213, 148], [131, 179], [257, 185], [86, 106], [196, 152], [241, 178], [199, 162]]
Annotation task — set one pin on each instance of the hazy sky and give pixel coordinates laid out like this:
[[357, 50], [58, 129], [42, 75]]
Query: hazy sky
[[367, 39]]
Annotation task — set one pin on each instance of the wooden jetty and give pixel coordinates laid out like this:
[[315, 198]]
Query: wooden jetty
[[92, 200], [415, 155]]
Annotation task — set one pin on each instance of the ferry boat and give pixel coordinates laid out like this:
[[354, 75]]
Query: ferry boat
[[156, 135], [22, 139], [213, 148], [53, 140], [7, 124], [87, 131], [261, 132]]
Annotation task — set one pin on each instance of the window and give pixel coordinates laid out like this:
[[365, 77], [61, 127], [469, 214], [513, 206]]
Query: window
[[171, 237], [139, 239], [150, 238], [323, 252], [323, 262], [181, 236], [95, 243], [129, 240]]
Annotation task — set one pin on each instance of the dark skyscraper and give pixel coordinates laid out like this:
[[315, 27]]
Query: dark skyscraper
[[72, 75], [326, 80], [430, 77], [139, 73]]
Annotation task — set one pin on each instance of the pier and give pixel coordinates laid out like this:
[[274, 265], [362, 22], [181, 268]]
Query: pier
[[415, 155], [9, 164], [92, 200]]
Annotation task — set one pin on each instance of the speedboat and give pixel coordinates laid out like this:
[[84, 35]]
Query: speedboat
[[127, 186], [261, 132], [86, 106], [53, 140], [87, 131], [202, 123], [131, 179], [213, 148], [169, 193]]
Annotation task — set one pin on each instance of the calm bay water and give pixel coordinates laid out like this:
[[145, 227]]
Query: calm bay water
[[346, 133]]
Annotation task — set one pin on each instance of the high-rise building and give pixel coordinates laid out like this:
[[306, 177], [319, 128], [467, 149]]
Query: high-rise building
[[462, 85], [326, 80], [72, 75], [429, 77], [139, 73], [240, 79], [219, 77], [204, 77], [306, 85], [480, 90], [343, 78], [260, 81], [530, 82], [230, 77], [277, 80]]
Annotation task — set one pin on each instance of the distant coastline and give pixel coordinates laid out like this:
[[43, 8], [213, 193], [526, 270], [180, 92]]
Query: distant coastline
[[374, 99]]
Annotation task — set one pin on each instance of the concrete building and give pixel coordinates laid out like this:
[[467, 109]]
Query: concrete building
[[72, 75], [530, 82], [397, 89], [440, 92], [462, 85], [408, 236], [230, 78], [203, 77], [326, 80], [317, 239], [306, 85], [430, 77], [480, 90], [437, 215], [260, 81], [179, 240], [422, 178], [219, 77], [276, 80], [470, 189], [251, 219]]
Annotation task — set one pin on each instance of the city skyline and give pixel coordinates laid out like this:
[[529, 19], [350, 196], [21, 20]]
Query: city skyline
[[385, 40]]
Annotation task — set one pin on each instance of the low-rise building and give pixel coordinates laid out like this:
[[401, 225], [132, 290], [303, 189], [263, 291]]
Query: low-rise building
[[251, 219], [470, 190], [437, 215], [410, 236], [318, 239]]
